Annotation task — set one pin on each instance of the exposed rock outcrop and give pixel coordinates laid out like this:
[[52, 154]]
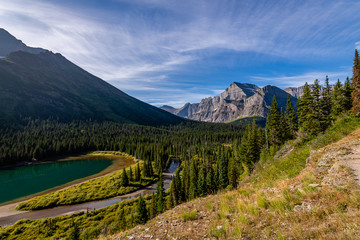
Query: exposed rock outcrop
[[238, 100]]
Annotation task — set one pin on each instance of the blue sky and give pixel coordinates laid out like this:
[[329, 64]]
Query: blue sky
[[173, 52]]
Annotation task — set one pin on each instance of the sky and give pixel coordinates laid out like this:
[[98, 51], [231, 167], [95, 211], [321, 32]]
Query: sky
[[173, 52]]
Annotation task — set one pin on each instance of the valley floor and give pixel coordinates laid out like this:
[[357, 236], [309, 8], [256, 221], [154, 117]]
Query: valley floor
[[321, 202]]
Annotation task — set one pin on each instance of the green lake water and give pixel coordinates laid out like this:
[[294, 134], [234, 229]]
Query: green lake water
[[26, 180]]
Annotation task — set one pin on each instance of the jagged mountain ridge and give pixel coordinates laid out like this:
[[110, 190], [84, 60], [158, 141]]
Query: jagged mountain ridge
[[238, 100], [39, 84], [9, 44]]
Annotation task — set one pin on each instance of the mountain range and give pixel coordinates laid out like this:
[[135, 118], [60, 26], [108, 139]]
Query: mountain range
[[237, 101], [37, 83]]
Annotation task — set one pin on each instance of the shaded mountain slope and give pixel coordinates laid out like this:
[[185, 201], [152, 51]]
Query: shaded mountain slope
[[47, 85]]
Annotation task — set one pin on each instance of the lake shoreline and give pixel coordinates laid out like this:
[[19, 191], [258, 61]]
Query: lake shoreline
[[114, 166]]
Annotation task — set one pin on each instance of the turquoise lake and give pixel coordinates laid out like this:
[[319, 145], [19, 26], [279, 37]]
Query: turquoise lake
[[26, 180]]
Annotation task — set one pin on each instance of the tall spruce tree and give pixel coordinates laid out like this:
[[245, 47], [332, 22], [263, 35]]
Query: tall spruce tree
[[347, 95], [233, 173], [202, 181], [160, 195], [153, 207], [325, 106], [356, 85], [193, 191], [315, 124], [291, 118], [210, 181], [273, 133], [137, 172], [223, 169], [124, 179], [141, 211], [337, 99]]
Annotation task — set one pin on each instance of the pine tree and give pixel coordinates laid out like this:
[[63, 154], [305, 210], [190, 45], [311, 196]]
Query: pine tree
[[291, 119], [202, 181], [152, 207], [285, 129], [141, 211], [223, 170], [210, 181], [130, 175], [137, 172], [304, 105], [325, 106], [233, 173], [337, 99], [273, 124], [347, 95], [252, 147], [193, 193], [356, 85], [160, 195], [315, 117], [124, 179], [122, 221]]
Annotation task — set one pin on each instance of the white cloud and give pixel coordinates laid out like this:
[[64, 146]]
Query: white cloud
[[137, 52], [299, 80]]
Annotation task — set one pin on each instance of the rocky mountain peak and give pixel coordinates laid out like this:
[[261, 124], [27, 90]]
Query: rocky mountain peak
[[237, 91], [238, 100]]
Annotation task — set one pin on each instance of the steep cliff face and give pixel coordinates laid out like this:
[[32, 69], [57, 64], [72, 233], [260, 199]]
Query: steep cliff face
[[238, 100], [295, 91]]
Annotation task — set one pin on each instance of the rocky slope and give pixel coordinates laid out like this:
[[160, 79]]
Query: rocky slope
[[238, 100]]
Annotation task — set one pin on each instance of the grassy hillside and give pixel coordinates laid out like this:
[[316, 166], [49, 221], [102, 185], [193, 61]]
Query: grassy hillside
[[304, 191], [47, 85]]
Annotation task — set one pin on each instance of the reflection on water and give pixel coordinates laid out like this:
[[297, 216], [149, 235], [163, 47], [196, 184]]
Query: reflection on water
[[26, 180]]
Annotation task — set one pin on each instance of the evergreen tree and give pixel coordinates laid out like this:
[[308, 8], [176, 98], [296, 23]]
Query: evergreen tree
[[347, 95], [356, 85], [193, 180], [252, 147], [131, 174], [291, 119], [160, 195], [285, 129], [210, 181], [314, 116], [141, 211], [222, 170], [152, 207], [124, 179], [325, 106], [137, 172], [202, 181], [273, 124], [233, 173], [122, 221], [337, 99]]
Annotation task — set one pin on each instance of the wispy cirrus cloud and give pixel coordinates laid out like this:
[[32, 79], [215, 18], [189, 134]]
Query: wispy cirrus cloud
[[140, 45], [299, 80]]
